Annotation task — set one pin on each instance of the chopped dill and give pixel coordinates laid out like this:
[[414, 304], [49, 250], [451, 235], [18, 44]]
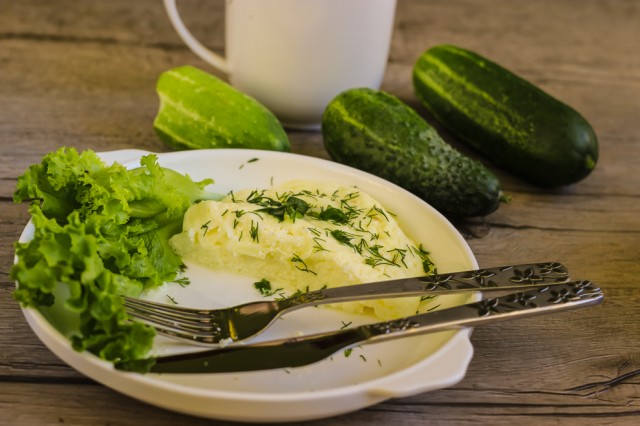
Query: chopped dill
[[332, 214], [427, 265], [315, 195], [375, 211], [253, 232], [205, 226], [300, 264], [345, 324], [318, 244], [240, 213], [253, 160], [314, 231], [344, 238], [351, 211], [360, 228], [264, 287], [296, 207], [351, 196], [288, 205], [182, 281], [378, 259], [400, 254]]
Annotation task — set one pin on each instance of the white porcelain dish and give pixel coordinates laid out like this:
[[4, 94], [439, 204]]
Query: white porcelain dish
[[341, 384]]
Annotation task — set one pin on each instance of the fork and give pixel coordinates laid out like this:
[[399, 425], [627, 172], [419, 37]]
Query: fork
[[206, 327]]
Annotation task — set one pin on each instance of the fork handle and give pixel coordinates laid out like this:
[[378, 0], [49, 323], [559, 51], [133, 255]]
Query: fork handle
[[502, 278]]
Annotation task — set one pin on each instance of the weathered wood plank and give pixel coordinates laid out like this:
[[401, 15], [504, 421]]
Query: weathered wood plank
[[83, 74], [86, 404]]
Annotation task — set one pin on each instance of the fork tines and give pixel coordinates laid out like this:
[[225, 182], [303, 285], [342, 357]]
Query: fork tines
[[195, 325]]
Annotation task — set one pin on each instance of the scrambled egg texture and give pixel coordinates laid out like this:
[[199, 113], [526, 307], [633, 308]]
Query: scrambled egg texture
[[303, 236]]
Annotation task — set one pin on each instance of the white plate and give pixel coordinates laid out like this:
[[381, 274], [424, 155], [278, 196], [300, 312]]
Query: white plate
[[371, 374]]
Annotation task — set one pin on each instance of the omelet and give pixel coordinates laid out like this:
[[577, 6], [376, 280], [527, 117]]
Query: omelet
[[302, 236]]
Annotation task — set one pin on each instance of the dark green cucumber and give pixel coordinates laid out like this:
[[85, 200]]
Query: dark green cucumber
[[516, 124], [376, 132], [198, 110]]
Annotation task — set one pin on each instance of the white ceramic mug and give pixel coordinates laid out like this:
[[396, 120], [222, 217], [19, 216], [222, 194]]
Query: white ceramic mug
[[294, 56]]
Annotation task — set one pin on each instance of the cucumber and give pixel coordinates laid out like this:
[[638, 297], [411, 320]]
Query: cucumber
[[376, 132], [198, 110], [517, 125]]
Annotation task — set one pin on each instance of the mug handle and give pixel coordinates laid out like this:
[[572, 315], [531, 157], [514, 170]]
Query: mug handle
[[198, 48]]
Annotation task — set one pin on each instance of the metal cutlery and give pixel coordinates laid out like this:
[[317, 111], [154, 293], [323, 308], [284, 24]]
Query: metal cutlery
[[208, 327], [300, 351]]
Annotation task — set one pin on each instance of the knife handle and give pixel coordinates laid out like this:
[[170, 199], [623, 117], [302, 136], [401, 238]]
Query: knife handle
[[537, 301]]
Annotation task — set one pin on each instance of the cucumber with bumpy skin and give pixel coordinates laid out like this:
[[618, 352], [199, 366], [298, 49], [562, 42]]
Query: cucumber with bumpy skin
[[376, 132], [517, 125], [198, 110]]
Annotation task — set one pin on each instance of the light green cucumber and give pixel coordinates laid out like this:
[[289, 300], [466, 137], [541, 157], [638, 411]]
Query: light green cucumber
[[198, 110]]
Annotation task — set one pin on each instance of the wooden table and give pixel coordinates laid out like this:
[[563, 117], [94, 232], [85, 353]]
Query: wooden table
[[83, 74]]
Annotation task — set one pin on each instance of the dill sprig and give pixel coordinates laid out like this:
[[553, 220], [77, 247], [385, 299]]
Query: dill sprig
[[301, 265], [317, 246], [254, 231], [182, 281], [205, 226], [286, 205], [377, 258], [427, 265]]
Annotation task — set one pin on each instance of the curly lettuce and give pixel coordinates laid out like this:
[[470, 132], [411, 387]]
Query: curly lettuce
[[102, 231]]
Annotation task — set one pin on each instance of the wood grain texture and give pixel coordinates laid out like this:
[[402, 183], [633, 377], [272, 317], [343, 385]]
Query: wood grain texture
[[83, 74]]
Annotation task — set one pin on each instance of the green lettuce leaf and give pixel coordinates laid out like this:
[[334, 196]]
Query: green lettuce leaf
[[102, 232]]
